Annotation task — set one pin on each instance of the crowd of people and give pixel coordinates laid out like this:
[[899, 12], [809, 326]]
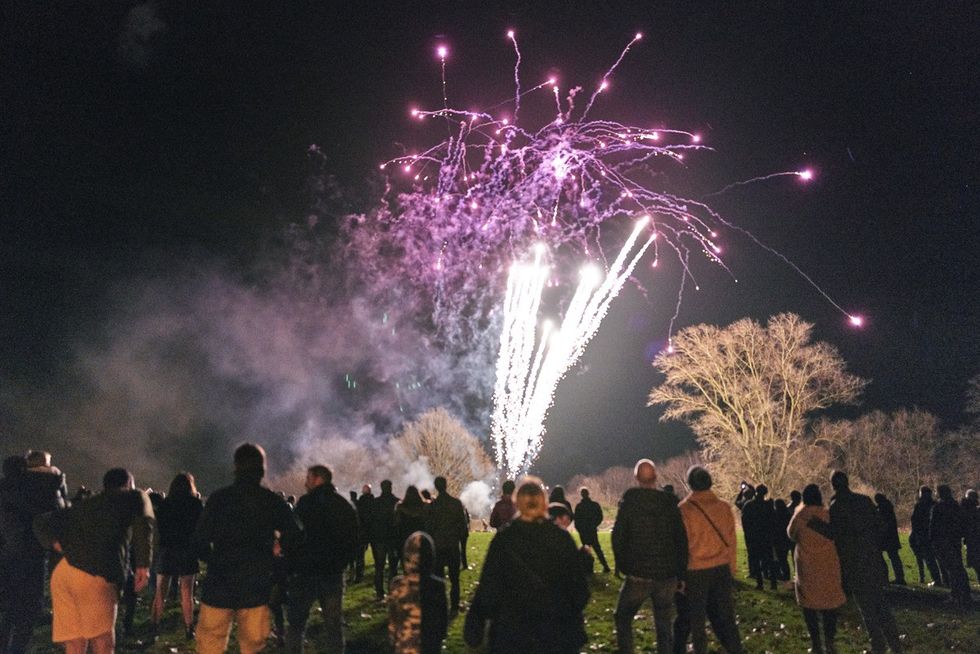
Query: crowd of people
[[264, 551]]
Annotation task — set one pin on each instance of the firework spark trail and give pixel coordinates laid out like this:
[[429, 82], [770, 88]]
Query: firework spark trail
[[805, 175], [529, 370], [604, 84], [517, 75]]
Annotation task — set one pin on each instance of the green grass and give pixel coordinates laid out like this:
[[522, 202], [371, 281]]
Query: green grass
[[770, 621]]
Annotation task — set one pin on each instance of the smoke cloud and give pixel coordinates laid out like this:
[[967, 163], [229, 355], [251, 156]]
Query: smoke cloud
[[299, 354], [477, 498], [141, 33]]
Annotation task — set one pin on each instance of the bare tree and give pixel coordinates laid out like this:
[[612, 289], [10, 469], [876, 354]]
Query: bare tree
[[892, 453], [673, 471], [607, 487], [960, 454], [749, 393], [973, 398], [447, 448]]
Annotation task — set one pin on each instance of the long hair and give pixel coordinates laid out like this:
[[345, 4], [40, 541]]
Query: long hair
[[412, 497], [183, 486]]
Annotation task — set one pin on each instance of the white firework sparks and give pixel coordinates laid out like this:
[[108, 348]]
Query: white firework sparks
[[528, 368]]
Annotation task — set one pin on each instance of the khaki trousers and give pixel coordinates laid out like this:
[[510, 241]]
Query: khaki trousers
[[214, 628]]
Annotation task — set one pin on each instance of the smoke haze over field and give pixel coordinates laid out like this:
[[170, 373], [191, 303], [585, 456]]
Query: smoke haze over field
[[299, 355]]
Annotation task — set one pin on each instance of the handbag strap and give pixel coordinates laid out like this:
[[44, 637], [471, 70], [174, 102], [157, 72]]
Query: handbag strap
[[710, 521]]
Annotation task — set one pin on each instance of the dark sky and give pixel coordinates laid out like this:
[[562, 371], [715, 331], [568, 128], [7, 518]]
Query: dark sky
[[136, 135]]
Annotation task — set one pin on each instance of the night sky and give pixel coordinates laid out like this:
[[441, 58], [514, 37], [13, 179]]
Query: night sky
[[137, 138]]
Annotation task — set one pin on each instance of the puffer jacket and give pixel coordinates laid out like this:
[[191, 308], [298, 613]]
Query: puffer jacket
[[648, 537]]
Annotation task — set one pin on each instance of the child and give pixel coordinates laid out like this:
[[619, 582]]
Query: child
[[418, 614]]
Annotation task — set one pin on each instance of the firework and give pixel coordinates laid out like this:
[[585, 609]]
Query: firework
[[459, 212], [529, 368], [456, 215]]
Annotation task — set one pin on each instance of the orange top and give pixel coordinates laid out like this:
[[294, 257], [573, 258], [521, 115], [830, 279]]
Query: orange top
[[706, 547]]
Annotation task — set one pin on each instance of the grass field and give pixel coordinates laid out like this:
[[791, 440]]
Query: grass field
[[770, 621]]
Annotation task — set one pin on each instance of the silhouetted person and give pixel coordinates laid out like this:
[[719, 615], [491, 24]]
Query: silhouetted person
[[746, 492], [558, 495], [504, 510], [82, 493], [176, 519], [669, 489], [588, 517], [36, 489], [758, 525], [782, 545], [971, 519], [462, 550], [890, 543], [711, 567], [856, 531], [946, 532], [795, 499], [919, 538], [21, 567], [818, 576], [409, 516], [650, 546], [559, 515], [236, 536], [418, 616], [446, 523], [97, 537], [45, 479], [532, 588], [318, 558], [364, 504], [384, 540]]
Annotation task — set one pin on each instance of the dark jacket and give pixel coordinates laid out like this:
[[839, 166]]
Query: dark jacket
[[16, 535], [889, 527], [409, 518], [588, 516], [45, 489], [364, 505], [445, 521], [971, 523], [177, 518], [383, 519], [503, 512], [781, 518], [329, 538], [533, 590], [946, 523], [856, 531], [648, 537], [23, 497], [758, 522], [98, 534], [235, 536], [919, 537]]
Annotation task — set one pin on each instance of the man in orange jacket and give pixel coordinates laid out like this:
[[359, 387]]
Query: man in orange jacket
[[711, 566]]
